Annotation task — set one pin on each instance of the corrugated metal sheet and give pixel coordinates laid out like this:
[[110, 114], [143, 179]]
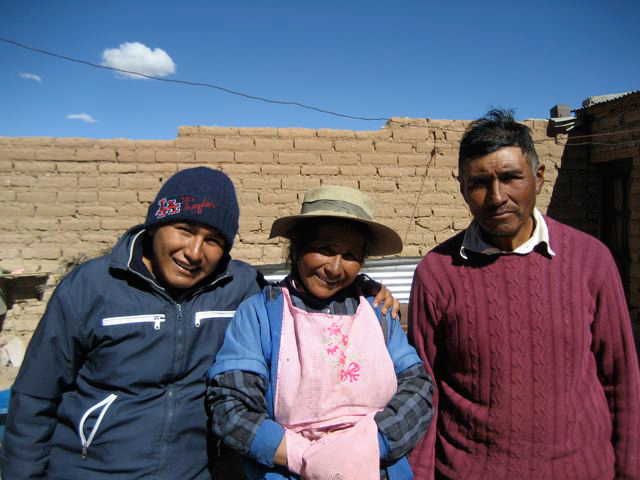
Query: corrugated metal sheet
[[602, 99], [395, 273]]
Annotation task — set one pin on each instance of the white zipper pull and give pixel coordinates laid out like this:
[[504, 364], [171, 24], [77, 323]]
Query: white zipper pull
[[211, 314], [157, 319], [86, 441]]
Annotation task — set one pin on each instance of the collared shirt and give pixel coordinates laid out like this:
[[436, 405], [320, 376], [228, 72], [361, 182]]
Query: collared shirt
[[473, 240], [344, 303]]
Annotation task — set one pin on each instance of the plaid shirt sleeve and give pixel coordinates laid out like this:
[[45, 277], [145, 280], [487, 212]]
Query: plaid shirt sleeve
[[409, 412], [237, 406]]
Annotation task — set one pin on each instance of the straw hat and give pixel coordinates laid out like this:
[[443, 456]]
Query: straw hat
[[345, 203]]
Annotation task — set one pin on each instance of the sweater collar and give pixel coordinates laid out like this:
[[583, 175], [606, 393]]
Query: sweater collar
[[473, 240]]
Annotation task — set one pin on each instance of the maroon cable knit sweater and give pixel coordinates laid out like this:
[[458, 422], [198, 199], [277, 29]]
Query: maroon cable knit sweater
[[534, 361]]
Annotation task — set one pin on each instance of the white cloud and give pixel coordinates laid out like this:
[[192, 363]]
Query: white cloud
[[31, 76], [137, 57], [85, 117]]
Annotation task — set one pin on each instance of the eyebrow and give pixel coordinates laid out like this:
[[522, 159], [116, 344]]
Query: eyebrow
[[484, 175], [511, 171], [329, 244], [216, 235]]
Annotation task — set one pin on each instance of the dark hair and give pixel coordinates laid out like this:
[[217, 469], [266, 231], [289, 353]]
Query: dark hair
[[303, 234], [496, 129]]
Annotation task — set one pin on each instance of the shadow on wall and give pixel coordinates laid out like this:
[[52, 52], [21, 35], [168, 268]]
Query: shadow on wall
[[575, 199], [17, 286]]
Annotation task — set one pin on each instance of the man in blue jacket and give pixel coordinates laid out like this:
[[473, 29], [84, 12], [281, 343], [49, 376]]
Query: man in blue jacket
[[112, 385]]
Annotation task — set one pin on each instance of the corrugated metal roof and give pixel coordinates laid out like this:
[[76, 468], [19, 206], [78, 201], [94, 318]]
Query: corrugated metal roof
[[600, 99], [395, 273]]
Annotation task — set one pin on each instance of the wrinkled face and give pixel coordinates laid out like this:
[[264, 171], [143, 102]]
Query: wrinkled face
[[185, 253], [332, 260], [501, 190]]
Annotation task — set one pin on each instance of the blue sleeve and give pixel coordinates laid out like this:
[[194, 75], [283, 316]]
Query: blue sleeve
[[266, 442], [243, 350], [409, 412], [242, 346], [402, 354], [239, 417], [383, 445]]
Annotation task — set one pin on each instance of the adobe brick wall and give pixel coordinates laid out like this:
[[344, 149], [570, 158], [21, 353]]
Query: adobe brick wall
[[66, 198]]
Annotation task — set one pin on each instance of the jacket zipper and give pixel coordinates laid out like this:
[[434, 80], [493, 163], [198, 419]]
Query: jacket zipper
[[157, 319], [212, 314], [86, 442]]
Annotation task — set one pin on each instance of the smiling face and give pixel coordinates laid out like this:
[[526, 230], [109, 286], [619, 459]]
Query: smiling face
[[331, 261], [501, 190], [184, 254]]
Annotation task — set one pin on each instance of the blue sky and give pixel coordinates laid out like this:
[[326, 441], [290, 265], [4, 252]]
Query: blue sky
[[446, 60]]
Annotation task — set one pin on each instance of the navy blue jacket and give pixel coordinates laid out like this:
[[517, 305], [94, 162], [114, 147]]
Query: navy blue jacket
[[112, 385]]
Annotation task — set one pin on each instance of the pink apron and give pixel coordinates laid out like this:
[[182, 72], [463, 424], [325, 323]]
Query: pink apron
[[334, 375]]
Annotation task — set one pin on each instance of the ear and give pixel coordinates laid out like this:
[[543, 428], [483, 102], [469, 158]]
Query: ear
[[462, 185], [539, 178]]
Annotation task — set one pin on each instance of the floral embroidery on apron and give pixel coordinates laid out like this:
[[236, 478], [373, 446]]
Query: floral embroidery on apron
[[334, 344]]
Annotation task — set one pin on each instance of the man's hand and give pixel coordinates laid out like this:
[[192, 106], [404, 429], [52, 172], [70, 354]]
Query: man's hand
[[382, 295], [385, 296]]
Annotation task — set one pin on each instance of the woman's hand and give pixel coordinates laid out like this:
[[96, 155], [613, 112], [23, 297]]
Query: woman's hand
[[280, 458]]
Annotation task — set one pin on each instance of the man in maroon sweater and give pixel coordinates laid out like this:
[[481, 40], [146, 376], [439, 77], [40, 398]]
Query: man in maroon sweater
[[525, 325]]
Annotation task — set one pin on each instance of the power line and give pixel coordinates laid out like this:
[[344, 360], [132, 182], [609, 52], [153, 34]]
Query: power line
[[600, 144], [415, 205], [619, 132], [197, 84], [288, 102], [210, 85]]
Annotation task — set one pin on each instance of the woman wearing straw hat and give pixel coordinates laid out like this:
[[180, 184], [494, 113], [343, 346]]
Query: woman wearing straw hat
[[311, 380]]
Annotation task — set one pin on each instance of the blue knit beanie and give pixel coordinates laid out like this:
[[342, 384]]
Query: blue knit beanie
[[201, 195]]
